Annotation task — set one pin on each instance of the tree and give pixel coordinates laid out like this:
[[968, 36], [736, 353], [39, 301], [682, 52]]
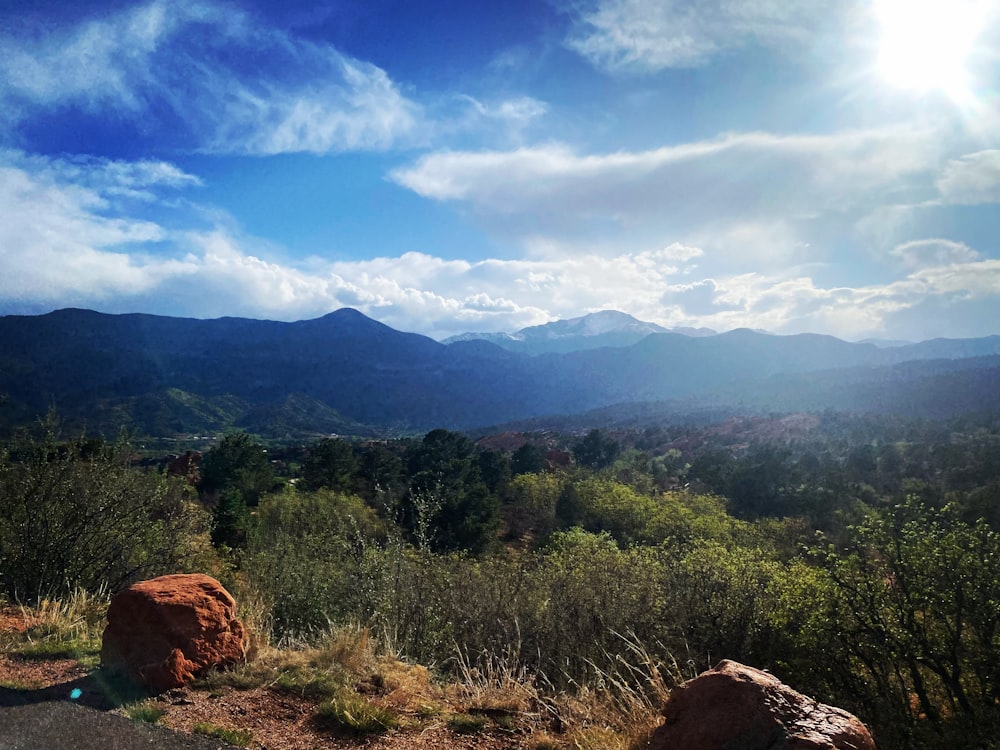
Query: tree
[[307, 557], [230, 520], [528, 459], [331, 463], [239, 463], [596, 450], [756, 486], [381, 473], [531, 505], [445, 475], [494, 468]]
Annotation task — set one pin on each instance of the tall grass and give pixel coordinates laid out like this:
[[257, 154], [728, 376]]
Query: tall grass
[[69, 628]]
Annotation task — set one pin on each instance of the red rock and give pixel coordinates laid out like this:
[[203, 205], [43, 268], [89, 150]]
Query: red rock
[[555, 459], [187, 466], [735, 706], [167, 631]]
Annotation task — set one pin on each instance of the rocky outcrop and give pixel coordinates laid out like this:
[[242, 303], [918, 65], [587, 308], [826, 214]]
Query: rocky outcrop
[[166, 631], [555, 459], [735, 706], [187, 466]]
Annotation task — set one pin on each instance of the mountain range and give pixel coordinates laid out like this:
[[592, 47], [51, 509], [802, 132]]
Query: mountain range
[[346, 373]]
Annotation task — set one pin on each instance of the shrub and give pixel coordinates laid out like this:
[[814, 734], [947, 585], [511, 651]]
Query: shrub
[[79, 515], [306, 560]]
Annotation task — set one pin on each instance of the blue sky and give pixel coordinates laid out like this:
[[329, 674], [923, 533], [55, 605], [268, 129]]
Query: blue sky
[[444, 167]]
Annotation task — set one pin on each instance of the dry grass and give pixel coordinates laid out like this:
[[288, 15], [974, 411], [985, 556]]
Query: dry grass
[[497, 682], [621, 705], [359, 686], [80, 616], [70, 628], [615, 710]]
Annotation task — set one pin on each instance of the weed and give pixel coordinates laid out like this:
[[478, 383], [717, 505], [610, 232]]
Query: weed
[[55, 649], [310, 684], [466, 723], [353, 714], [428, 710], [237, 737], [148, 714], [20, 685], [243, 677], [598, 738], [66, 629], [497, 682], [544, 741]]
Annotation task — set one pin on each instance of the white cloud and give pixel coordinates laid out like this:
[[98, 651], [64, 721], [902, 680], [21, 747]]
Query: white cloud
[[70, 240], [681, 253], [235, 87], [509, 181], [67, 236], [740, 195], [650, 35], [111, 178], [958, 291], [518, 110], [766, 243], [972, 179], [980, 279], [697, 299], [361, 109], [934, 253]]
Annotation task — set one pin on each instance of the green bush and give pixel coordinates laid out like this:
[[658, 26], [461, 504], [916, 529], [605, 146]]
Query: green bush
[[79, 515], [906, 619], [307, 559]]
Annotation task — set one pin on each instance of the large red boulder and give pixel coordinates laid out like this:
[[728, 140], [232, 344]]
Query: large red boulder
[[735, 706], [166, 631]]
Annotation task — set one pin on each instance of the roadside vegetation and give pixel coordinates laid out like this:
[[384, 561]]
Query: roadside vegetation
[[857, 559]]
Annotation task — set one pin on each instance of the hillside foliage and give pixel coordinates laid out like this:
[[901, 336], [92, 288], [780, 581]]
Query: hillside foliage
[[856, 558]]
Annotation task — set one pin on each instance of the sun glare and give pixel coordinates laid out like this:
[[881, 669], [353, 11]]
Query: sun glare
[[925, 43]]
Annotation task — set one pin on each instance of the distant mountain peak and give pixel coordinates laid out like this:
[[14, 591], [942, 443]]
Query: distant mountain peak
[[591, 331], [592, 324]]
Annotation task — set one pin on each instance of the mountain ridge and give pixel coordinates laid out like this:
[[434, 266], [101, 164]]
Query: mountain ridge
[[345, 372]]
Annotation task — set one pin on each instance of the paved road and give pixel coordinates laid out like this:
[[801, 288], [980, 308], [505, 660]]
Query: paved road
[[61, 725]]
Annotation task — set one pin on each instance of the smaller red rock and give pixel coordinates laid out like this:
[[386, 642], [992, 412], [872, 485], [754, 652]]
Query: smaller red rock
[[735, 706], [166, 631]]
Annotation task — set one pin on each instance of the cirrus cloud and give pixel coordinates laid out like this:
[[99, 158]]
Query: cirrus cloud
[[651, 35], [231, 85]]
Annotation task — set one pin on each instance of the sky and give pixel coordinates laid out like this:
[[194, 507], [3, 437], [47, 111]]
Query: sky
[[785, 165]]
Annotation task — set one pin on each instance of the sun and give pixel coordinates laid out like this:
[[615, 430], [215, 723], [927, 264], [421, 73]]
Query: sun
[[925, 43]]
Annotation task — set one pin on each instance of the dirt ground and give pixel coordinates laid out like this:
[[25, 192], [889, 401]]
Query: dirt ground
[[276, 720]]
